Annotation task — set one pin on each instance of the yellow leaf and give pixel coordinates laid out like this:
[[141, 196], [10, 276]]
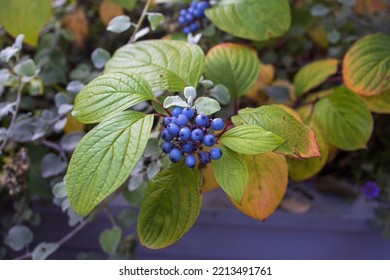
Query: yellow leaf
[[73, 125], [318, 34], [209, 181], [77, 23], [266, 76], [267, 184], [108, 10]]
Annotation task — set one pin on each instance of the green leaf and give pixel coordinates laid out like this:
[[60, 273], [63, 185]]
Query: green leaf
[[366, 67], [25, 68], [221, 93], [59, 190], [258, 20], [345, 119], [18, 237], [251, 140], [109, 240], [119, 24], [165, 65], [127, 4], [171, 101], [190, 92], [100, 57], [105, 158], [25, 17], [233, 65], [231, 173], [300, 139], [109, 94], [267, 184], [170, 207], [378, 103], [207, 106], [43, 250], [127, 219], [314, 74], [155, 19]]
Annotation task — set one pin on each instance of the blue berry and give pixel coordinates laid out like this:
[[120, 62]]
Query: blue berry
[[182, 20], [194, 26], [183, 12], [203, 5], [185, 133], [186, 30], [209, 140], [167, 147], [189, 17], [167, 120], [182, 120], [166, 135], [190, 161], [175, 155], [201, 120], [216, 153], [198, 13], [188, 148], [177, 111], [197, 134], [173, 129], [188, 112], [204, 157], [194, 4], [217, 124]]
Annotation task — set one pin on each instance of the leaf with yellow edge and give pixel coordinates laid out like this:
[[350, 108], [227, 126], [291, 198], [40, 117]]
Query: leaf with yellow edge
[[366, 66], [378, 103], [267, 184], [314, 74], [300, 139]]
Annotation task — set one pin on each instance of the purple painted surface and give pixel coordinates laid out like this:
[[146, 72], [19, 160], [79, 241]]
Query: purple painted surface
[[331, 230]]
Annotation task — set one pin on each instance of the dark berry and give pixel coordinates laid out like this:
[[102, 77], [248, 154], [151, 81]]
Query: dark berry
[[189, 17], [167, 147], [217, 124], [190, 161], [177, 111], [216, 153], [185, 133], [166, 135], [209, 140], [175, 155], [201, 120], [188, 148], [197, 134], [204, 157], [188, 112], [182, 120], [173, 129]]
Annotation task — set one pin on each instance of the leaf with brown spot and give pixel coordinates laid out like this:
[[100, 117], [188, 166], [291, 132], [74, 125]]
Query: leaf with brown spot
[[77, 23], [267, 184], [108, 10]]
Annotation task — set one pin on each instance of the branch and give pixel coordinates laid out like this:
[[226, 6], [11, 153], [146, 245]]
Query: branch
[[14, 115], [140, 21]]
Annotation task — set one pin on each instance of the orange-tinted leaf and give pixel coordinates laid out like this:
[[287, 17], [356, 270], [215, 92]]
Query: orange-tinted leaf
[[267, 184], [73, 125], [108, 10], [77, 23], [209, 181], [266, 76], [370, 6]]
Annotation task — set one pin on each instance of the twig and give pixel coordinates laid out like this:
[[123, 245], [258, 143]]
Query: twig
[[109, 215], [235, 104], [139, 23], [14, 115], [62, 240], [54, 146]]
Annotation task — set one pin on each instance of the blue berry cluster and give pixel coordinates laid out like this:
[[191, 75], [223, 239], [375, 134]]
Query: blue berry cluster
[[190, 18], [185, 134]]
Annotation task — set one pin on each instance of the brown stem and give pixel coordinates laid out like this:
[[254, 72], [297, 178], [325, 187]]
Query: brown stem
[[139, 23]]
